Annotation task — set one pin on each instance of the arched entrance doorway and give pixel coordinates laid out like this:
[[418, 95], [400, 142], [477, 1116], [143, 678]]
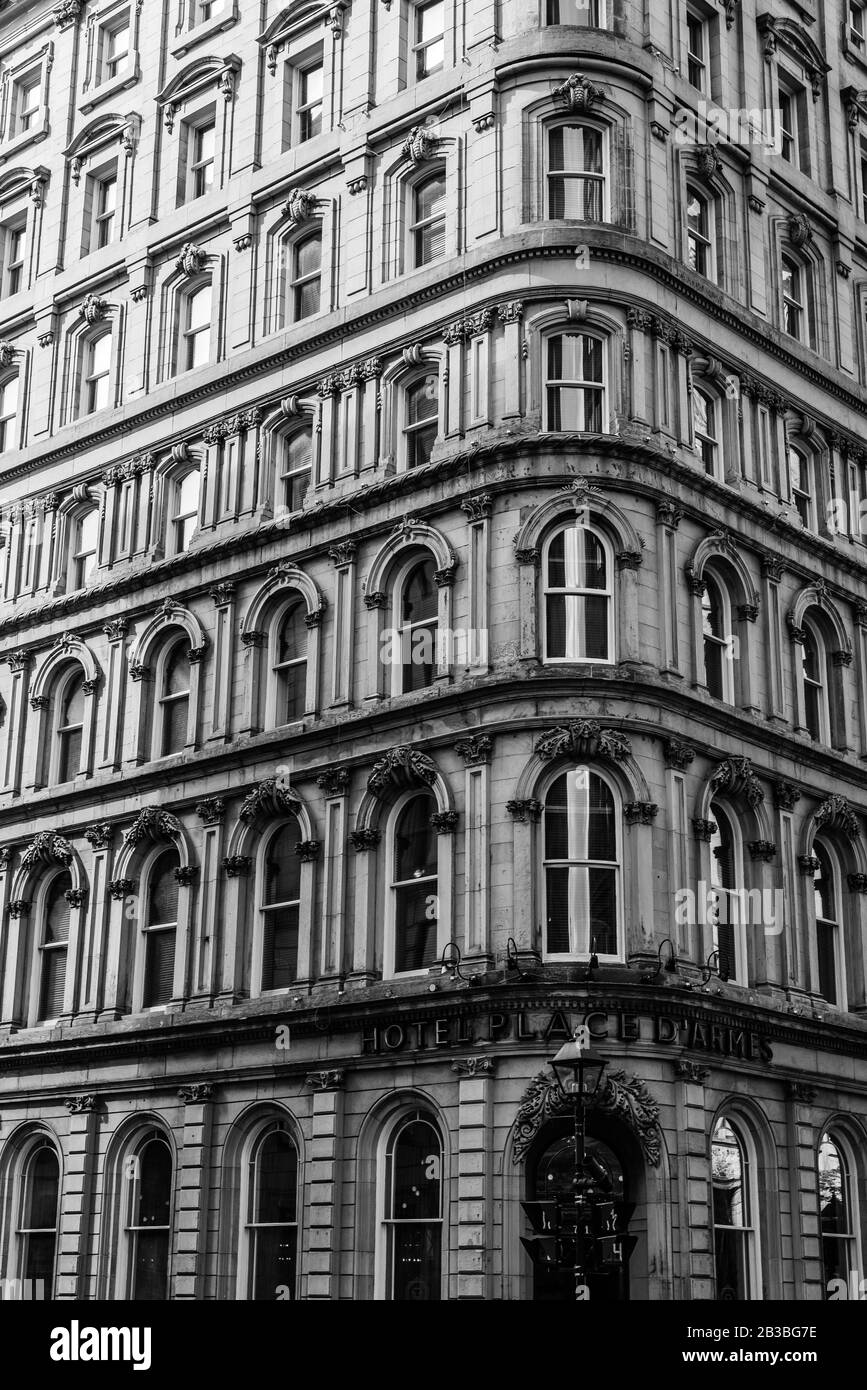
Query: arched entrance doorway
[[549, 1175]]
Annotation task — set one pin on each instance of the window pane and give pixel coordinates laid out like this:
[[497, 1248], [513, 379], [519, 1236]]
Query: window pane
[[292, 638], [280, 947], [557, 900], [199, 308], [297, 451], [57, 910], [155, 1184], [159, 967], [416, 1262], [150, 1275], [72, 709], [274, 1257], [420, 594], [415, 944], [430, 197], [308, 257], [826, 944], [576, 149], [43, 1181], [415, 840], [729, 1178], [69, 762], [53, 983], [416, 1170], [100, 355], [282, 867], [276, 1179], [163, 891]]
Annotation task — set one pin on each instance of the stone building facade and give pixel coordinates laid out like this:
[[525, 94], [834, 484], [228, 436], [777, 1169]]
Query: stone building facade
[[434, 615]]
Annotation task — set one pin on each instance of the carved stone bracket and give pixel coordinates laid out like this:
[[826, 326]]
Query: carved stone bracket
[[691, 1071], [762, 849], [81, 1105], [677, 754], [267, 800], [308, 850], [325, 1080], [365, 839], [474, 750], [836, 811], [99, 835], [120, 888], [800, 1092], [334, 782], [583, 739], [445, 822], [196, 1093], [857, 883], [474, 1066], [237, 864], [626, 1099], [153, 823], [786, 795], [578, 92], [401, 766], [522, 811], [736, 777], [808, 864], [47, 848], [703, 829], [640, 812]]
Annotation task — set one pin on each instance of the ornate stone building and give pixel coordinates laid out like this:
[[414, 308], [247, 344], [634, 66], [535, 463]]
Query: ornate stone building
[[433, 615]]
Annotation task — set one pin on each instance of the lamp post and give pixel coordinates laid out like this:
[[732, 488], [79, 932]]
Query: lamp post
[[579, 1074]]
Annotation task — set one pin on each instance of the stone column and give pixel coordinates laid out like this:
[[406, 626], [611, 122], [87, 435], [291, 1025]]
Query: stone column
[[78, 1199], [193, 1192], [473, 1227], [114, 695], [696, 1225], [476, 754], [20, 662], [321, 1254], [343, 643], [365, 843], [205, 954], [668, 518], [333, 785], [510, 316], [223, 662], [802, 1213]]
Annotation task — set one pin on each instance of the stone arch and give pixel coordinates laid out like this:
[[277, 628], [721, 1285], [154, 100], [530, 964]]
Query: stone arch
[[579, 495], [817, 596], [744, 1110]]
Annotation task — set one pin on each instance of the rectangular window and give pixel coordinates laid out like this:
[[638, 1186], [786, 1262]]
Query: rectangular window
[[26, 103], [576, 173], [800, 486], [862, 168], [8, 414], [309, 106], [114, 47], [429, 43], [104, 195], [14, 239], [794, 130], [697, 50], [306, 282], [856, 25], [764, 440], [575, 388], [589, 14], [97, 369], [428, 220], [200, 152]]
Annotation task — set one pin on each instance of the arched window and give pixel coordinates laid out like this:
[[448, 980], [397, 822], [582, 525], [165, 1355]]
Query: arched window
[[734, 1203], [271, 1222], [160, 929], [799, 316], [727, 877], [837, 1215], [409, 1264], [801, 486], [194, 349], [817, 683], [96, 374], [173, 697], [421, 422], [305, 283], [281, 903], [69, 729], [414, 869], [37, 1219], [289, 663], [828, 901], [707, 428], [85, 539], [578, 567], [428, 45], [294, 464], [718, 639], [582, 862], [149, 1220], [427, 219], [700, 233], [53, 947], [184, 495], [9, 414], [416, 608], [576, 174], [575, 383]]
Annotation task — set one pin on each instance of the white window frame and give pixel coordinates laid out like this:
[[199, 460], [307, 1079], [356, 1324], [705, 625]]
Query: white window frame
[[414, 224], [736, 892], [702, 439], [822, 685], [282, 473], [87, 352], [705, 240], [61, 689], [807, 495], [418, 47], [383, 1275], [173, 639], [291, 599], [184, 334], [262, 909], [245, 1272], [443, 843], [431, 372], [724, 643], [697, 63], [849, 1160], [75, 556], [13, 227], [175, 518], [838, 926], [128, 1179], [146, 930], [40, 946], [608, 593], [24, 118], [582, 774], [10, 425], [603, 386], [752, 1233], [603, 179], [17, 1233], [397, 589]]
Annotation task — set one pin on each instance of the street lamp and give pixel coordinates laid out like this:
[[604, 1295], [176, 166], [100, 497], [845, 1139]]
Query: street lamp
[[579, 1074]]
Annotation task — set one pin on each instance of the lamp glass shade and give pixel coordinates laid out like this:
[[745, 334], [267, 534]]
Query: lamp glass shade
[[578, 1072]]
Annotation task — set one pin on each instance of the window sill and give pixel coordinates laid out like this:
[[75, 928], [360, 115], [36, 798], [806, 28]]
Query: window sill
[[20, 142], [114, 84], [216, 25]]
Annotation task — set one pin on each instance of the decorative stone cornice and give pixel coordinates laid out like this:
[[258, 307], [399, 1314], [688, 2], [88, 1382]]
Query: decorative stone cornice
[[300, 205], [400, 766], [327, 1080], [266, 801], [578, 92], [192, 259], [736, 777], [153, 823], [47, 848], [627, 1099], [365, 839], [677, 754], [474, 750], [762, 849], [211, 810], [308, 850], [786, 795], [583, 738], [691, 1071], [197, 1093], [835, 811], [81, 1105]]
